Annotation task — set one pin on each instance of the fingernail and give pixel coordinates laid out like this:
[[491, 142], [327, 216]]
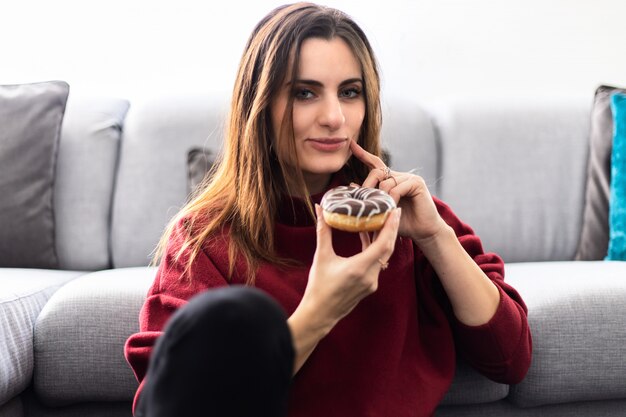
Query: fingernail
[[354, 184], [317, 209], [398, 214]]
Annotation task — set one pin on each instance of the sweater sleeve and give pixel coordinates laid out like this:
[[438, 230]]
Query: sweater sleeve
[[168, 292], [501, 348]]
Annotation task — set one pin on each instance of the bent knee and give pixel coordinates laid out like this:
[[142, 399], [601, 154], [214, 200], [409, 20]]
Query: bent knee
[[222, 312]]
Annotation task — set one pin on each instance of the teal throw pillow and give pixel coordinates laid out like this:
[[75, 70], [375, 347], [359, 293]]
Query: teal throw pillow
[[617, 205]]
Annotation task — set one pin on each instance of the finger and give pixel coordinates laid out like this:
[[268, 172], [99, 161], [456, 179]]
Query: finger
[[324, 233], [364, 156], [410, 188], [374, 178], [387, 236], [365, 240], [383, 245], [377, 232], [391, 182]]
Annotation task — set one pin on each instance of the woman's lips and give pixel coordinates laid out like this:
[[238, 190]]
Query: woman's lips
[[327, 144]]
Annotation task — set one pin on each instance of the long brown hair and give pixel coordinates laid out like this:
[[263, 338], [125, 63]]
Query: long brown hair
[[244, 187]]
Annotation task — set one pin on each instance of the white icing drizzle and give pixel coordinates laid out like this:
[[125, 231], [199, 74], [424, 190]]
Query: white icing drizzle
[[357, 201]]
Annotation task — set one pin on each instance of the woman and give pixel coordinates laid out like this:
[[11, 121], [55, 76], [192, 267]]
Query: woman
[[329, 323]]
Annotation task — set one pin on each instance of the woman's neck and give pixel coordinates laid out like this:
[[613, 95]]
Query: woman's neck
[[315, 183]]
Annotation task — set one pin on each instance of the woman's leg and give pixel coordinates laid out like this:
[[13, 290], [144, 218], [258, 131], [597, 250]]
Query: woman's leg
[[227, 353]]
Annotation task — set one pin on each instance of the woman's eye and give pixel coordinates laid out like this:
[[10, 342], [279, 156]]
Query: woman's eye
[[303, 94], [350, 92]]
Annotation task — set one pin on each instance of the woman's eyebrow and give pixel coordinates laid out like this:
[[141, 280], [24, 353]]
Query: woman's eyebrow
[[316, 83]]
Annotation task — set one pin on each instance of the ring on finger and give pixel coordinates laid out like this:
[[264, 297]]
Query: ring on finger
[[394, 179], [383, 265], [387, 172]]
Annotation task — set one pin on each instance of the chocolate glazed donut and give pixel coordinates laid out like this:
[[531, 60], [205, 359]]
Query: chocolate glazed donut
[[356, 209]]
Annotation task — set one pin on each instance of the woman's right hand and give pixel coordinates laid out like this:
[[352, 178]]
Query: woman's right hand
[[337, 284]]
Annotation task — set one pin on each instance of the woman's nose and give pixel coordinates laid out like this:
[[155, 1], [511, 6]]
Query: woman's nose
[[331, 113]]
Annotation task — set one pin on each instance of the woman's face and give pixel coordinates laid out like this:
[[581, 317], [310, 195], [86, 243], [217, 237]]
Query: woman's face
[[328, 109]]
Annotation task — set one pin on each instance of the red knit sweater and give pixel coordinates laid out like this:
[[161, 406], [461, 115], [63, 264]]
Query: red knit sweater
[[393, 355]]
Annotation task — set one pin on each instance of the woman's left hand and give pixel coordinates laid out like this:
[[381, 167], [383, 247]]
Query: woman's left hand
[[420, 219], [474, 297]]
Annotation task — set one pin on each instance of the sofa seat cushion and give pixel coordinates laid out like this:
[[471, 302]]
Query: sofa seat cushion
[[34, 408], [90, 409], [80, 336], [577, 316], [13, 408], [470, 387], [612, 408], [23, 293], [85, 179]]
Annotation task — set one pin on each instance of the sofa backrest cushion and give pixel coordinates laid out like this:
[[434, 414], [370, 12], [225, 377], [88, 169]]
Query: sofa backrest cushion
[[152, 176], [152, 183], [408, 135], [31, 116], [516, 172], [87, 162]]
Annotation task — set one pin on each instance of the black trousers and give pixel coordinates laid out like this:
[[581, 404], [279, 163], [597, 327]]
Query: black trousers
[[227, 353]]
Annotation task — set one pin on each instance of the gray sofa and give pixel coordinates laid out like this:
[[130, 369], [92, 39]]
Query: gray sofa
[[515, 171]]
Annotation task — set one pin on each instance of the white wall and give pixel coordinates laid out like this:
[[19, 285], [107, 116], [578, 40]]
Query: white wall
[[427, 49]]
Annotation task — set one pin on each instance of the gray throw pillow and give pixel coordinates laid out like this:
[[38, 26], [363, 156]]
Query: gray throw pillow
[[31, 116], [594, 238], [199, 162]]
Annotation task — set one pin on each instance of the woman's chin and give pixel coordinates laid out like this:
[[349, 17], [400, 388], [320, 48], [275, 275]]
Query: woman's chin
[[331, 166], [325, 170]]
